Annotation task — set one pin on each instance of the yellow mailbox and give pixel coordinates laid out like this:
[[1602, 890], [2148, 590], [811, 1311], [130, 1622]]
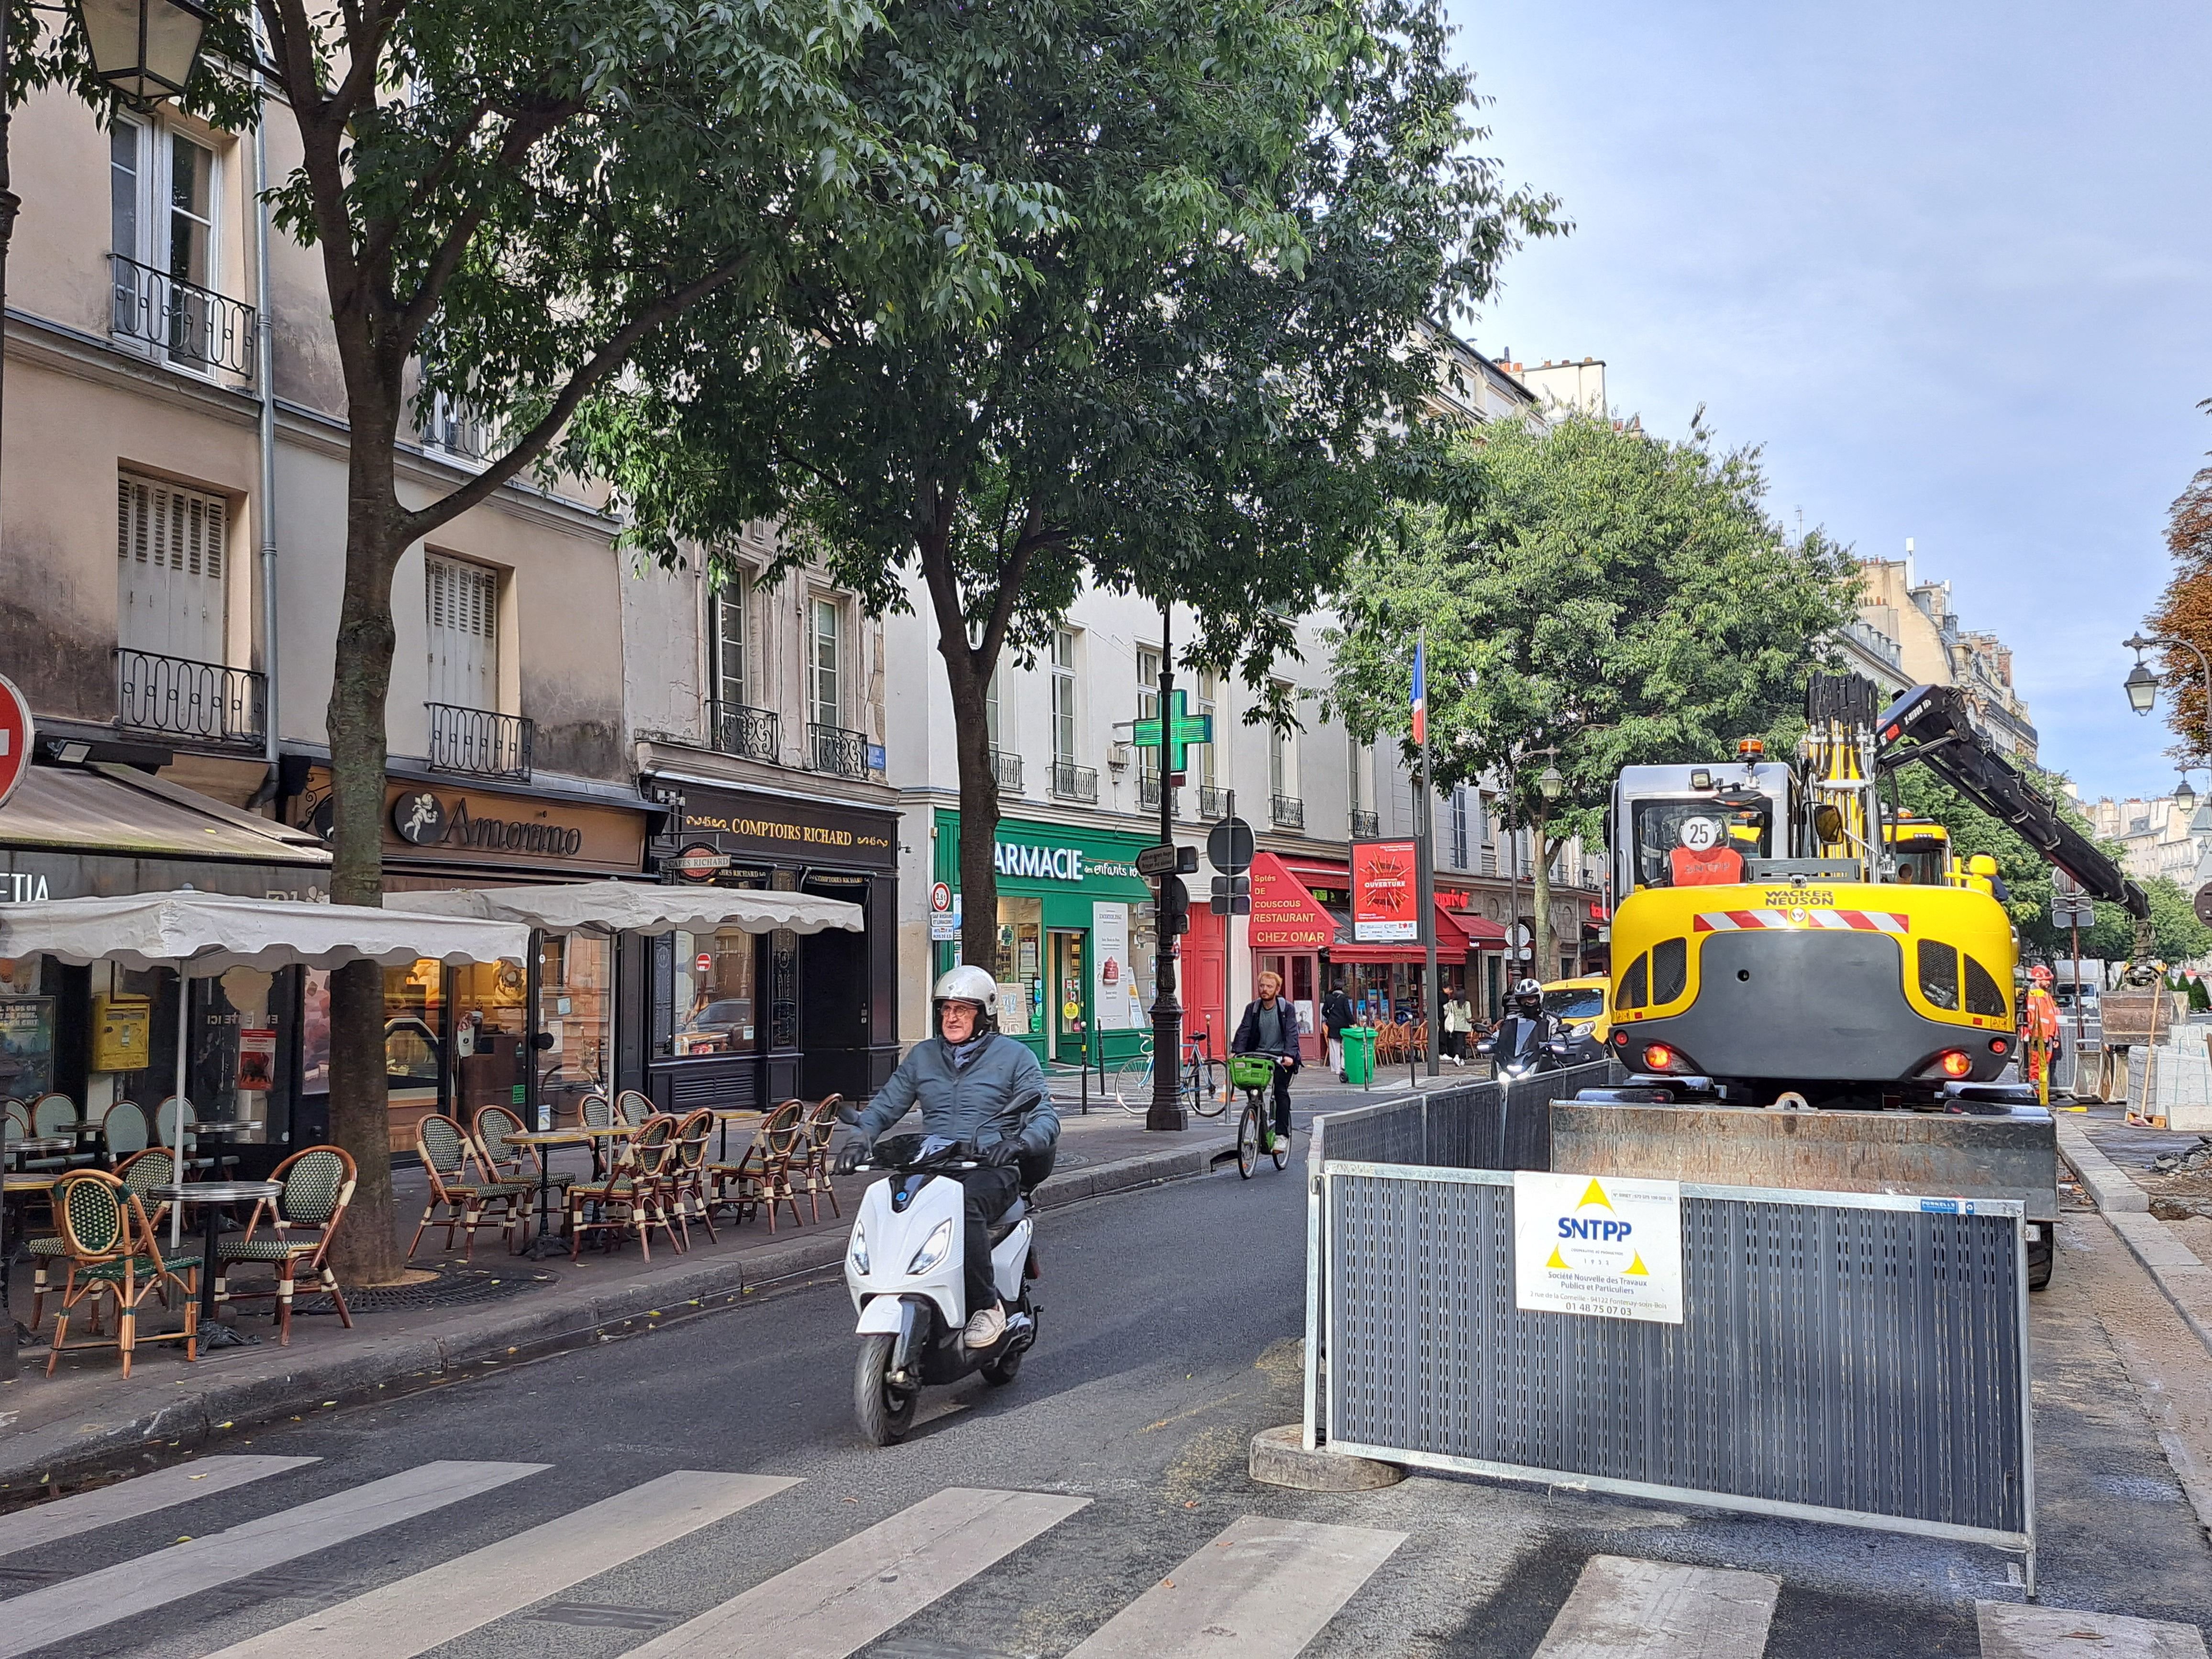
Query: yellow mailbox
[[122, 1031]]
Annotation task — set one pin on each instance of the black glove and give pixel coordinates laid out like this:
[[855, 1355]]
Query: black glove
[[999, 1154], [853, 1153]]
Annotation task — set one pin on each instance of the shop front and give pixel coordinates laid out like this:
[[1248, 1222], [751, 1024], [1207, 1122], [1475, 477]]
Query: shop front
[[732, 1017], [1075, 951], [104, 1033], [458, 1039]]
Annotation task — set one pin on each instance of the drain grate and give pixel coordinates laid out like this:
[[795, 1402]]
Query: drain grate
[[451, 1287], [599, 1616]]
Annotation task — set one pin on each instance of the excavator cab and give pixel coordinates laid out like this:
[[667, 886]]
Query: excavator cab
[[1921, 849]]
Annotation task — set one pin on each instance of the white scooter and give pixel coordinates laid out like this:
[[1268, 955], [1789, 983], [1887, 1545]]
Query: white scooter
[[907, 1269]]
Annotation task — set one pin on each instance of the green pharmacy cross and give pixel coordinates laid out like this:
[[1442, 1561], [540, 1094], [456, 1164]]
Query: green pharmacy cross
[[1184, 729]]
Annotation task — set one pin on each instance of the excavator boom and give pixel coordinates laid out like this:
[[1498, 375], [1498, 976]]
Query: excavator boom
[[1942, 737]]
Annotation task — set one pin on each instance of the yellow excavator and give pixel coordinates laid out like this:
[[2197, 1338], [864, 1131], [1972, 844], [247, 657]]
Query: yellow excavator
[[1788, 937]]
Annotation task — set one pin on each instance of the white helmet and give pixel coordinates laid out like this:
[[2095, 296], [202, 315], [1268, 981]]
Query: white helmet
[[969, 983]]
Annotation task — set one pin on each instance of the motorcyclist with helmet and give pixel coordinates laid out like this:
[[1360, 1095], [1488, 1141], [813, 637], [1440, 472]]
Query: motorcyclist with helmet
[[977, 1085], [1527, 1027]]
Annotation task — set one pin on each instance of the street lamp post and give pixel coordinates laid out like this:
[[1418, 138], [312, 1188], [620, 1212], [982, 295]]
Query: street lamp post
[[2142, 687], [144, 51]]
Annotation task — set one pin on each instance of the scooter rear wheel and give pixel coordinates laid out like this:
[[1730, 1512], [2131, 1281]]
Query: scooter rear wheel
[[886, 1413], [999, 1372], [1248, 1141]]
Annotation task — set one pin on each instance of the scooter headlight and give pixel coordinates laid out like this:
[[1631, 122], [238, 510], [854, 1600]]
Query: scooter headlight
[[859, 1254], [933, 1250]]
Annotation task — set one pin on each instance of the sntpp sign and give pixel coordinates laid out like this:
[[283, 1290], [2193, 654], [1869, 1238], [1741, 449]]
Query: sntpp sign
[[1609, 1248]]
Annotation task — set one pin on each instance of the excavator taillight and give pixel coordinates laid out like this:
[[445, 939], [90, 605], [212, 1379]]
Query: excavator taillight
[[1998, 1045], [1658, 1057], [1955, 1062]]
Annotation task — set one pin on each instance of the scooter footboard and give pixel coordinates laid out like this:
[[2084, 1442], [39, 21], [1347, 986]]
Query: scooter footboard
[[1008, 1259]]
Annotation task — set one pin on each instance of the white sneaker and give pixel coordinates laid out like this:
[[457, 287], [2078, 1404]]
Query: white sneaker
[[985, 1329]]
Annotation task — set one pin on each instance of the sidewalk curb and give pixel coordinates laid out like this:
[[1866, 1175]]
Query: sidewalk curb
[[450, 1349], [2183, 1280]]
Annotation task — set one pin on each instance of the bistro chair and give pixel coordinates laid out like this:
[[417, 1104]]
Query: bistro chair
[[444, 1149], [783, 1140], [141, 1173], [110, 1250], [14, 1124], [634, 1197], [173, 1123], [507, 1159], [303, 1221], [687, 1173], [595, 1111], [821, 1130], [122, 1131], [632, 1107], [55, 1114]]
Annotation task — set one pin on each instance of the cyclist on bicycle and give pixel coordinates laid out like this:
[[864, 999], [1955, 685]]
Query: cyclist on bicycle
[[1270, 1027]]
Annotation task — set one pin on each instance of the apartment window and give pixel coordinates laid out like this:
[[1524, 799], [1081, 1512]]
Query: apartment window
[[991, 709], [1063, 695], [170, 548], [729, 641], [1355, 770], [1462, 848], [462, 604], [164, 199], [1148, 704], [1208, 694], [825, 665], [1282, 754]]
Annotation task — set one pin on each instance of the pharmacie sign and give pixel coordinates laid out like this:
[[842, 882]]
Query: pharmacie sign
[[1610, 1246], [1039, 863]]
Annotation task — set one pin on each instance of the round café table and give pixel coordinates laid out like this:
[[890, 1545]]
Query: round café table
[[542, 1142], [211, 1196], [726, 1115]]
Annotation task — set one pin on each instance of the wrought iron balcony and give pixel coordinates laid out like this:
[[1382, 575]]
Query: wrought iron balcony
[[1148, 791], [753, 733], [1365, 826], [191, 325], [1006, 770], [200, 701], [834, 750], [1073, 783], [458, 431], [1288, 811], [1213, 802], [479, 742]]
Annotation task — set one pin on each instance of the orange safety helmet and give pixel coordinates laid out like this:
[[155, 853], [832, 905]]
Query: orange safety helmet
[[2039, 975]]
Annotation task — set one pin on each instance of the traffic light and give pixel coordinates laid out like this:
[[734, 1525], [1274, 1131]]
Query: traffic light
[[1232, 896], [1174, 907]]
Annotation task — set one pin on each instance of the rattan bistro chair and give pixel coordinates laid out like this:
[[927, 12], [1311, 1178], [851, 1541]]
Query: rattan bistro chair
[[140, 1173], [632, 1107], [687, 1174], [782, 1141], [318, 1184], [634, 1198], [111, 1251], [56, 1114], [444, 1149], [821, 1130], [124, 1130]]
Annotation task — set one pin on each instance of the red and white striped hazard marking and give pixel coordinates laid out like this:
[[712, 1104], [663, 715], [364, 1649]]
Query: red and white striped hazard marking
[[1742, 921]]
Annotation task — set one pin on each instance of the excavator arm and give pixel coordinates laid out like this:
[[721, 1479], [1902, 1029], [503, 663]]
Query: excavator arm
[[1931, 724]]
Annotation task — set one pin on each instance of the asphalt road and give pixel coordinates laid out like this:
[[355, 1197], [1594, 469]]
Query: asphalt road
[[1169, 1335]]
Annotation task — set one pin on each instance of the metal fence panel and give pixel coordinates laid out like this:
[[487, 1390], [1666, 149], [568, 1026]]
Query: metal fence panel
[[1475, 1125], [1842, 1356]]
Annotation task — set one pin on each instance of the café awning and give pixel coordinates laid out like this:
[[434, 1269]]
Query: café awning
[[207, 933], [624, 907]]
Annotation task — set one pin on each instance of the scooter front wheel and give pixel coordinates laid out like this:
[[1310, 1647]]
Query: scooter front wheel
[[886, 1413], [1248, 1142]]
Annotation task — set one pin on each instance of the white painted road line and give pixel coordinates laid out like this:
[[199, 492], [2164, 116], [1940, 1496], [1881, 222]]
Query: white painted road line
[[1262, 1590], [838, 1601], [1625, 1609], [133, 1588], [414, 1615], [64, 1517], [2012, 1632]]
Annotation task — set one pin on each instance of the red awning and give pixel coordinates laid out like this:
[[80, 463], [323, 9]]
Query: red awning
[[1285, 915]]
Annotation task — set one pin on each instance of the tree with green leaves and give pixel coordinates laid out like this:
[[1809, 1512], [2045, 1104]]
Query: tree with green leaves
[[508, 198], [1193, 394], [1595, 598]]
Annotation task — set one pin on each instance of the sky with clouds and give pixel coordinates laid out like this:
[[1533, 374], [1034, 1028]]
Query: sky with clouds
[[1949, 264]]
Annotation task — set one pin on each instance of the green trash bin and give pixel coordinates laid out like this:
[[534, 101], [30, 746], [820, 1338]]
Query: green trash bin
[[1359, 1054]]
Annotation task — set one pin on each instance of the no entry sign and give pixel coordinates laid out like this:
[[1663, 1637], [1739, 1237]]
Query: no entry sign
[[15, 737]]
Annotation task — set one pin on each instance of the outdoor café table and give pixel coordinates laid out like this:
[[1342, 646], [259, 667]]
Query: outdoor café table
[[211, 1196], [726, 1115], [542, 1141], [596, 1133], [15, 1184]]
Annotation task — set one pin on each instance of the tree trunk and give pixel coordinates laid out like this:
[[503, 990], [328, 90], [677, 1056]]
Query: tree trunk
[[368, 1250], [979, 805], [1540, 893]]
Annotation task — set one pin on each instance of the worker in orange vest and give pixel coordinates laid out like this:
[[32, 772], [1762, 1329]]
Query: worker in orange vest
[[2038, 1029], [1703, 858]]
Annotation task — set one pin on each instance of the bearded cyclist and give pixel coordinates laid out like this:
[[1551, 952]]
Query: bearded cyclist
[[974, 1084]]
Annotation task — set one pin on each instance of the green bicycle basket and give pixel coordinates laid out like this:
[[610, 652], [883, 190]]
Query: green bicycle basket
[[1251, 1071]]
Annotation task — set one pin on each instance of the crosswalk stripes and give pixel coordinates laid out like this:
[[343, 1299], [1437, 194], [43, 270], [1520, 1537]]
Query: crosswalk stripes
[[64, 1517], [414, 1615], [2009, 1631], [133, 1588], [838, 1601], [1260, 1590], [1621, 1608]]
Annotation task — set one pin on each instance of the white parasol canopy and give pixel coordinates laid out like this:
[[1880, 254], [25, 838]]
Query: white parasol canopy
[[206, 933], [622, 906]]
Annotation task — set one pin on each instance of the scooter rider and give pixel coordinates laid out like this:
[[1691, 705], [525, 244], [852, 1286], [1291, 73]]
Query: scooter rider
[[974, 1085], [1527, 1027]]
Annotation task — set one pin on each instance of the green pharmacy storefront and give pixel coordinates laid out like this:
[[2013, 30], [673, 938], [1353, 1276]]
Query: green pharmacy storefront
[[1075, 957]]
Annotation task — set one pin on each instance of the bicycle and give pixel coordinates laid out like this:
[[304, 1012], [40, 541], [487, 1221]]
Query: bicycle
[[1256, 1130], [1199, 1088]]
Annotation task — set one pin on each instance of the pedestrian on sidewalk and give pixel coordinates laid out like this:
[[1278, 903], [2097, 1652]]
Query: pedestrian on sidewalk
[[1270, 1027], [1337, 1016], [1459, 1020]]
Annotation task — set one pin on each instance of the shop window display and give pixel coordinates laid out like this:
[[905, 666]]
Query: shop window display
[[716, 995], [26, 1029], [574, 982], [1020, 968]]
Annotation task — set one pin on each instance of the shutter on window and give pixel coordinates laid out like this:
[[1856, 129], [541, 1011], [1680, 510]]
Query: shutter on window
[[462, 603], [170, 547]]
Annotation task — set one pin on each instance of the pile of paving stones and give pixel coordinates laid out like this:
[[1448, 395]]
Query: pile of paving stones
[[2198, 1160]]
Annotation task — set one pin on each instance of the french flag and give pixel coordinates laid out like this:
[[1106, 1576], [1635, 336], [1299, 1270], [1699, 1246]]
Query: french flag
[[1420, 691]]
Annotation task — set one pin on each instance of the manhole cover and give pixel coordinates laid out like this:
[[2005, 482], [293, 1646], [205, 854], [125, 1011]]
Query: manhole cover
[[451, 1287]]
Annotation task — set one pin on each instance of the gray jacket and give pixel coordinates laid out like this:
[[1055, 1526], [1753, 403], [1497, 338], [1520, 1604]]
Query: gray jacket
[[979, 1104]]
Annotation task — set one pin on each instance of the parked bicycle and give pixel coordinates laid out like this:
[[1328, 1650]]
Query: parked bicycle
[[1199, 1085]]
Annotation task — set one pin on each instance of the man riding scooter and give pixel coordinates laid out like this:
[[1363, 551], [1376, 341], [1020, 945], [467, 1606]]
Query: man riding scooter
[[1522, 1041], [976, 1086]]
